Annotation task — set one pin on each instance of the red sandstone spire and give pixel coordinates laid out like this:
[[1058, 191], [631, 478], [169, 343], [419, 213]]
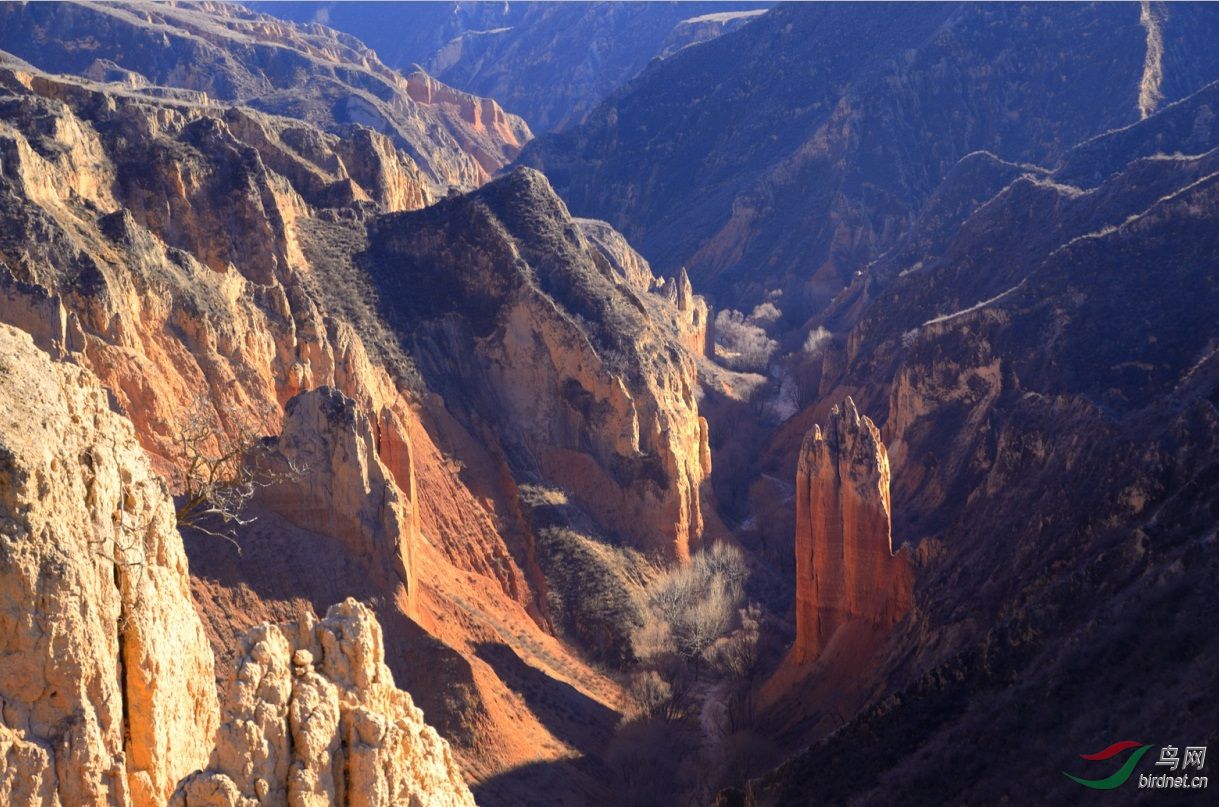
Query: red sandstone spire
[[845, 567]]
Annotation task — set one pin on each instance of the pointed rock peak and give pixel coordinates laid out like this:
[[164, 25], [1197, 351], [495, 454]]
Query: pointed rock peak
[[669, 290], [685, 291], [850, 412], [845, 568]]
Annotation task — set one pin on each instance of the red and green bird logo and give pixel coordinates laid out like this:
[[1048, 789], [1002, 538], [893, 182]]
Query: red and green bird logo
[[1118, 777]]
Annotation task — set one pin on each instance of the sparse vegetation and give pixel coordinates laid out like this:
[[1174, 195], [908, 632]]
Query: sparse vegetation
[[741, 342], [590, 594], [592, 583], [218, 471], [692, 693], [817, 339], [688, 610]]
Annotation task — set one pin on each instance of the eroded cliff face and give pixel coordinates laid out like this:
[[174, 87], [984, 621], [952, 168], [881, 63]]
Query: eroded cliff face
[[311, 716], [549, 63], [846, 570], [798, 183], [525, 329], [330, 478], [106, 676], [1042, 353], [197, 258]]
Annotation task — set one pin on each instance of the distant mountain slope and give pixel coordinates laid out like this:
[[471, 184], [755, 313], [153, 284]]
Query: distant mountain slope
[[548, 62], [790, 154], [223, 52], [1043, 361]]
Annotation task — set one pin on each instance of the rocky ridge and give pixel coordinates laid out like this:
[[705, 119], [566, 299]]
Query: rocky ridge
[[784, 157], [201, 261], [1047, 331], [107, 677], [550, 63], [521, 324]]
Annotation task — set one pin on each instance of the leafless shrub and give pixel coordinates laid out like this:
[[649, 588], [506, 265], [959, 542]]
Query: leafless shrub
[[687, 610], [737, 658], [816, 339], [765, 315], [220, 470], [742, 342], [650, 694]]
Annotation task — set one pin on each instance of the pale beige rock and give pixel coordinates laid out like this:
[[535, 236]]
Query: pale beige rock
[[334, 482], [845, 567], [312, 718], [106, 679]]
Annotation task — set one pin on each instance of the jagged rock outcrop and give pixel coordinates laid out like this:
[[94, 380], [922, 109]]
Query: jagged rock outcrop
[[846, 570], [1044, 348], [198, 259], [688, 312], [311, 716], [107, 693], [330, 478], [518, 321]]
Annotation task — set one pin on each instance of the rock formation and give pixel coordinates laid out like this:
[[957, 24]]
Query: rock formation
[[846, 570], [1044, 348], [523, 327], [330, 479], [815, 177], [549, 63], [198, 257], [106, 678], [705, 27], [311, 717]]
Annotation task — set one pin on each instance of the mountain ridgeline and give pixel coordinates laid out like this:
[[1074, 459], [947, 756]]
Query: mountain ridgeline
[[791, 153], [550, 63]]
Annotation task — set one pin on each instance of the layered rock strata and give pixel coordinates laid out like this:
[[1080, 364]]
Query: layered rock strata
[[526, 330], [213, 55]]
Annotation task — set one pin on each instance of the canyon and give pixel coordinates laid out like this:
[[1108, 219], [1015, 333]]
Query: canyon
[[815, 153], [359, 448]]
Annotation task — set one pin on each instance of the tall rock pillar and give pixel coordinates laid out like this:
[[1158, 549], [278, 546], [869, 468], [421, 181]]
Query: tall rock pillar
[[845, 567]]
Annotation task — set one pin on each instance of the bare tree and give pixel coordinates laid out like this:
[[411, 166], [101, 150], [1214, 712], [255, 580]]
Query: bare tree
[[220, 469], [742, 342], [688, 610]]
